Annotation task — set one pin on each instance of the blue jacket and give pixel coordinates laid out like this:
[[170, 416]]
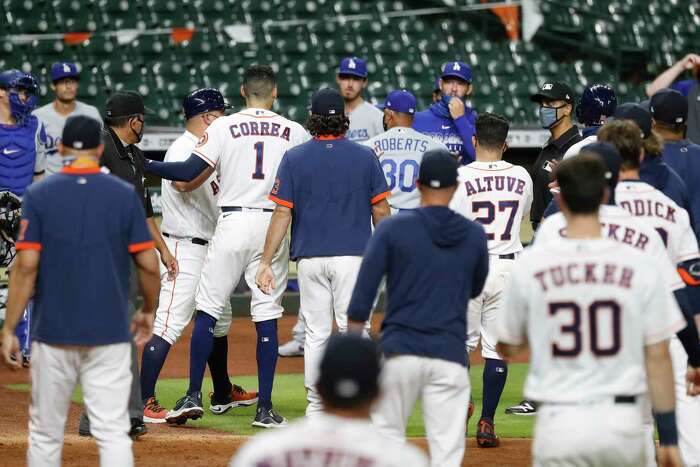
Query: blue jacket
[[18, 153], [684, 158], [437, 123]]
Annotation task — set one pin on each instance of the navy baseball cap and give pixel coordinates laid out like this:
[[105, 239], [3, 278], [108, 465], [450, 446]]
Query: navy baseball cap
[[611, 158], [327, 102], [353, 66], [400, 101], [457, 70], [553, 91], [637, 113], [60, 70], [669, 106], [125, 104], [349, 371], [438, 169], [81, 132], [204, 100]]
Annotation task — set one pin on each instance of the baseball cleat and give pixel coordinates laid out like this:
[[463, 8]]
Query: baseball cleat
[[238, 397], [153, 412], [524, 408], [268, 418], [188, 408], [486, 434], [138, 428], [291, 349]]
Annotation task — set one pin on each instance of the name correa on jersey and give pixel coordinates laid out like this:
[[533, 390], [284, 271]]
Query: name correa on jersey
[[259, 129]]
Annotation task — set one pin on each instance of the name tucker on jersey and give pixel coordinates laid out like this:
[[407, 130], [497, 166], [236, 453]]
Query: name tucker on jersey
[[494, 183], [253, 128], [622, 234], [584, 274]]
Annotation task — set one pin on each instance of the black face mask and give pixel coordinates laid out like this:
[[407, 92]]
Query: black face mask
[[139, 135]]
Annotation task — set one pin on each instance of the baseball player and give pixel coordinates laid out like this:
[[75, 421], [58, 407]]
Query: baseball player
[[64, 83], [189, 220], [348, 384], [598, 319], [435, 260], [451, 120], [597, 105], [400, 150], [245, 149], [365, 119], [498, 195], [328, 189]]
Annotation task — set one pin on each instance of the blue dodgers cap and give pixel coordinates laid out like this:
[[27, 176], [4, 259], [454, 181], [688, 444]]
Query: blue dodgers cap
[[353, 66], [400, 101], [458, 70], [60, 70], [327, 102], [669, 106]]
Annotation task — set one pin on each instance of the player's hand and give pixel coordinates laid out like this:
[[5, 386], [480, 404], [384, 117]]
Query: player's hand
[[692, 378], [265, 279], [170, 264], [690, 61], [668, 456], [10, 350], [456, 107], [142, 327]]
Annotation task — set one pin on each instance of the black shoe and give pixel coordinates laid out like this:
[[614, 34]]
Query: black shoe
[[187, 408], [524, 408], [268, 418], [138, 428], [84, 425]]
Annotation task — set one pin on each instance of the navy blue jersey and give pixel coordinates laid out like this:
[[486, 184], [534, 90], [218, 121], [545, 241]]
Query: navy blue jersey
[[684, 158], [85, 225], [655, 172]]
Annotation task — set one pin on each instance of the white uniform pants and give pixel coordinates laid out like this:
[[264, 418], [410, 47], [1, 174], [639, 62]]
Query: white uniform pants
[[601, 434], [176, 302], [483, 310], [687, 408], [443, 387], [236, 249], [104, 375], [325, 288]]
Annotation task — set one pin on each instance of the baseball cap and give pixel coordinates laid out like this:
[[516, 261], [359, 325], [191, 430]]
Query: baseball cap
[[204, 100], [611, 158], [553, 91], [81, 132], [349, 370], [124, 104], [637, 113], [60, 70], [669, 106], [438, 169], [458, 70], [400, 101], [353, 66], [327, 102]]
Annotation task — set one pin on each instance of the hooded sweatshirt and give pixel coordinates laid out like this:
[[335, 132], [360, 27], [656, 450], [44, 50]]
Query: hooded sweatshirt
[[437, 123], [435, 260]]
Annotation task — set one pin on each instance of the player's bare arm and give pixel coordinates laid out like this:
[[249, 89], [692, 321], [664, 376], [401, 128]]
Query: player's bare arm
[[667, 78], [380, 210], [149, 284], [355, 327], [279, 223], [22, 280], [166, 257], [186, 187]]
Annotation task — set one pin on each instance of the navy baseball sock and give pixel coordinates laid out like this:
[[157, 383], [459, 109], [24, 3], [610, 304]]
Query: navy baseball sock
[[200, 348], [217, 367], [152, 361], [495, 375], [267, 360]]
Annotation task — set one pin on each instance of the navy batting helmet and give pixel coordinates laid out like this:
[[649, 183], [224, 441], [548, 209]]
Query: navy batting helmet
[[598, 102], [203, 100]]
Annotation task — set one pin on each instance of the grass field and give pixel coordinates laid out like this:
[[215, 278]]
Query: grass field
[[289, 400]]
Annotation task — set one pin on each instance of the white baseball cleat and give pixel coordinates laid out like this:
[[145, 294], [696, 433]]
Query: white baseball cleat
[[291, 349]]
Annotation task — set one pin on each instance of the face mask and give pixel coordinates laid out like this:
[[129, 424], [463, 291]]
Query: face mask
[[138, 135], [548, 116], [21, 110]]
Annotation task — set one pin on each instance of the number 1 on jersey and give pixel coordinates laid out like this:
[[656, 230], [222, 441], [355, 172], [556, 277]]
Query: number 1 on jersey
[[259, 148]]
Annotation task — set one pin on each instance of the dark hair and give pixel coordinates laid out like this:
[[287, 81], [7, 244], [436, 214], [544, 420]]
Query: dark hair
[[491, 130], [626, 136], [582, 182], [119, 122], [259, 81], [331, 125], [675, 128]]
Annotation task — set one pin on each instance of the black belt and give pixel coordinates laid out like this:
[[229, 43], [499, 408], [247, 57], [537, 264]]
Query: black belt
[[195, 240], [508, 256], [238, 209], [625, 399]]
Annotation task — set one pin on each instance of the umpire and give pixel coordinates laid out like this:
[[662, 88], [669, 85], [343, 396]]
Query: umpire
[[76, 263], [435, 260]]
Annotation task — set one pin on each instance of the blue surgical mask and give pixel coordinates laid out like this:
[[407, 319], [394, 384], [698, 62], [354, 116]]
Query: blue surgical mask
[[548, 116]]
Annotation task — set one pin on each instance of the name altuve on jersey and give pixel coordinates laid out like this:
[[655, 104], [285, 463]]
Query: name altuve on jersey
[[494, 183]]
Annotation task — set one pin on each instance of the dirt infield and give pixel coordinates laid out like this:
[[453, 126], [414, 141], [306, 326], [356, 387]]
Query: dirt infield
[[193, 447]]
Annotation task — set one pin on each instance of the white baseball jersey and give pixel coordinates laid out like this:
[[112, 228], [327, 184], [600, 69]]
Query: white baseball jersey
[[498, 195], [575, 149], [661, 212], [246, 148], [53, 126], [366, 121], [620, 226], [191, 214], [327, 441], [587, 308], [400, 151]]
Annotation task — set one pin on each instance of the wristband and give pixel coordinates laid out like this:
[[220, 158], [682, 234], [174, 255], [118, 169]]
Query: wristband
[[666, 425]]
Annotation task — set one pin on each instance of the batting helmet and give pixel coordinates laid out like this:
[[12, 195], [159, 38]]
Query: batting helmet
[[203, 100], [598, 102]]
